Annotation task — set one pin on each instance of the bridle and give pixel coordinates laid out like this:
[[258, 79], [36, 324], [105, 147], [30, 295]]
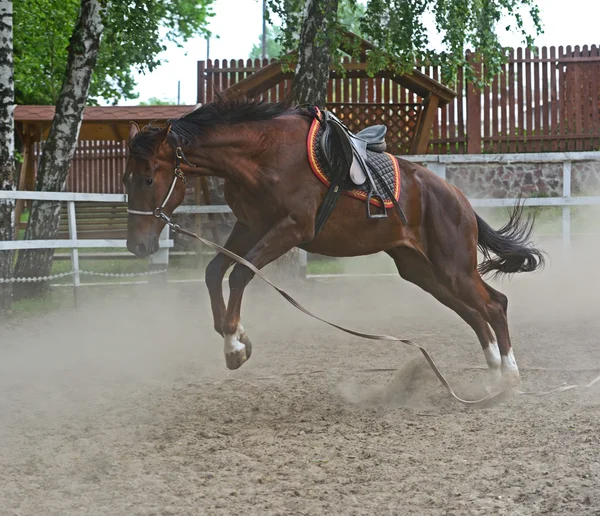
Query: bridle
[[177, 174]]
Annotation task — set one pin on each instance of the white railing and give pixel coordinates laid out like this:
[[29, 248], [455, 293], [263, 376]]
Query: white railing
[[158, 259], [436, 163]]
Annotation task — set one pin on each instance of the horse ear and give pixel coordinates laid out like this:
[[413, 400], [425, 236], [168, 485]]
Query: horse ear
[[133, 130]]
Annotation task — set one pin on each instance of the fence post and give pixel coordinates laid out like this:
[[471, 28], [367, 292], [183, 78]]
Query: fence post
[[474, 107], [302, 262], [566, 210], [201, 93], [74, 250], [437, 167], [160, 259]]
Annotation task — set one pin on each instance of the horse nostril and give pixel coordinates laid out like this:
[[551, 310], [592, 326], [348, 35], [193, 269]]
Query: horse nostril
[[141, 250]]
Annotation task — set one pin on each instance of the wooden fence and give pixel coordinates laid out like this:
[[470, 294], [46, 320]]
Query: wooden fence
[[542, 101], [97, 167], [546, 101]]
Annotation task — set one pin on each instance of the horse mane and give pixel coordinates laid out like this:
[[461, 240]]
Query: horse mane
[[223, 111]]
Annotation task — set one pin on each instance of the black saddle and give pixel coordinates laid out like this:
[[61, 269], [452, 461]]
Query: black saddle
[[346, 156], [374, 136], [370, 138]]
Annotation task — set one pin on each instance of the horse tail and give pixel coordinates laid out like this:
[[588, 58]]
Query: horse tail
[[514, 252]]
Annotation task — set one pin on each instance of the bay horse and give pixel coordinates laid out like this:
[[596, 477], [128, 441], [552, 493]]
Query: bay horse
[[260, 151]]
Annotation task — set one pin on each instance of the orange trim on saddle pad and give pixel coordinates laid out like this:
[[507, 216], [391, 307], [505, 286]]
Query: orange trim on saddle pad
[[357, 194]]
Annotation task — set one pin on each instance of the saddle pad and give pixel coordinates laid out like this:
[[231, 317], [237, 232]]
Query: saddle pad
[[384, 167]]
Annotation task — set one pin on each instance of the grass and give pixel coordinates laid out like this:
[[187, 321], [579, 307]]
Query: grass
[[52, 301]]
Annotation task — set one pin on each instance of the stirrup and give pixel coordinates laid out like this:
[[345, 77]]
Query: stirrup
[[374, 195]]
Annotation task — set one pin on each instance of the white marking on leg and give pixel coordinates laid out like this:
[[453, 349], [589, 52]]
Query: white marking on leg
[[492, 356], [232, 342], [509, 365]]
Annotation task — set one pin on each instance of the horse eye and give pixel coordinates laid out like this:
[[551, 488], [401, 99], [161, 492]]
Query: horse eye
[[149, 181]]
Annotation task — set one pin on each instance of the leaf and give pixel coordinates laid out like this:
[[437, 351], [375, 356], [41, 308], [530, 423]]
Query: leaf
[[135, 33]]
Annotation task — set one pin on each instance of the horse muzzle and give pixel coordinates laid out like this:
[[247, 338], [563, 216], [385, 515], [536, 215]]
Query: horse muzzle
[[142, 249]]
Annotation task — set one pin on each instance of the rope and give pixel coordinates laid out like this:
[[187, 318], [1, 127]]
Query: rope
[[370, 336], [296, 304], [562, 388]]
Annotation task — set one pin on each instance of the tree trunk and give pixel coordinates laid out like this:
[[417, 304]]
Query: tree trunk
[[311, 81], [7, 147], [61, 143], [317, 38]]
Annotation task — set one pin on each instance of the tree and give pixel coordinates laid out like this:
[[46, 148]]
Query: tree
[[128, 23], [273, 45], [349, 15], [134, 34], [399, 31], [316, 45], [62, 140], [7, 146]]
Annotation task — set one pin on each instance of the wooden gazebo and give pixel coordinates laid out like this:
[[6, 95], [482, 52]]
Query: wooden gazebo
[[406, 103], [101, 148], [100, 123]]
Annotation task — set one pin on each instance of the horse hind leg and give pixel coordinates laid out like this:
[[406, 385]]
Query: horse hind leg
[[498, 319], [492, 307], [416, 270]]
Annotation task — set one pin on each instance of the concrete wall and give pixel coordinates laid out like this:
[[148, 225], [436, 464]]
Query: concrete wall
[[518, 174]]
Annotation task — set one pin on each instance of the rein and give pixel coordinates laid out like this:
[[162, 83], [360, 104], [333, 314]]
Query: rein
[[159, 213]]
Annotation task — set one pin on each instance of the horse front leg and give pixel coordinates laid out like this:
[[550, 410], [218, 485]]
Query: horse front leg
[[240, 241], [285, 235]]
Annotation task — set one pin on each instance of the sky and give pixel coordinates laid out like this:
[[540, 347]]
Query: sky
[[238, 25]]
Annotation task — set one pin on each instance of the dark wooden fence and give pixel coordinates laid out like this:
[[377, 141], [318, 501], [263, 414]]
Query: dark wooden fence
[[97, 167], [547, 100], [355, 98], [541, 102]]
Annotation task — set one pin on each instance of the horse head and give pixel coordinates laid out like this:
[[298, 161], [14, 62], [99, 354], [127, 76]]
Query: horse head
[[154, 184]]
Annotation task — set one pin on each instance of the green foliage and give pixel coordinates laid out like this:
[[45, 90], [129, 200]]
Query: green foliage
[[155, 101], [281, 41], [41, 35], [273, 44], [398, 28], [135, 33]]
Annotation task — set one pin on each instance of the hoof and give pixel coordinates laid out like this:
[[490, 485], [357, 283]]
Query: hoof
[[235, 359]]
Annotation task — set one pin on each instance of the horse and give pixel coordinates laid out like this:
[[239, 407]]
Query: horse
[[259, 149]]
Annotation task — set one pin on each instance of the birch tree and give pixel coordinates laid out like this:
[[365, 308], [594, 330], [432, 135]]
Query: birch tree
[[62, 141], [7, 146], [136, 32], [316, 46], [400, 31]]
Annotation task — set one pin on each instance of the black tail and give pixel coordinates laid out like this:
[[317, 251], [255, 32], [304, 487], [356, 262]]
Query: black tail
[[514, 253]]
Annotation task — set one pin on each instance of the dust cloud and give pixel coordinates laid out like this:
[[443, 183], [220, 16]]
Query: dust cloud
[[124, 406]]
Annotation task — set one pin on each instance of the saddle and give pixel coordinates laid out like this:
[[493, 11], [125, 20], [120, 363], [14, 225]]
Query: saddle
[[346, 156], [371, 138]]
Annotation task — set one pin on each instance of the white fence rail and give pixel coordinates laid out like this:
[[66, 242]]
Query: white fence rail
[[436, 163], [158, 259]]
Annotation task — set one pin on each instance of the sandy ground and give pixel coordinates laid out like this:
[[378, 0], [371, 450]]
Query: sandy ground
[[124, 407]]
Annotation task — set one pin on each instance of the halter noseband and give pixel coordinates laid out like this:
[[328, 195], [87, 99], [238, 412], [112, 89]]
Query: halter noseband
[[177, 174]]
